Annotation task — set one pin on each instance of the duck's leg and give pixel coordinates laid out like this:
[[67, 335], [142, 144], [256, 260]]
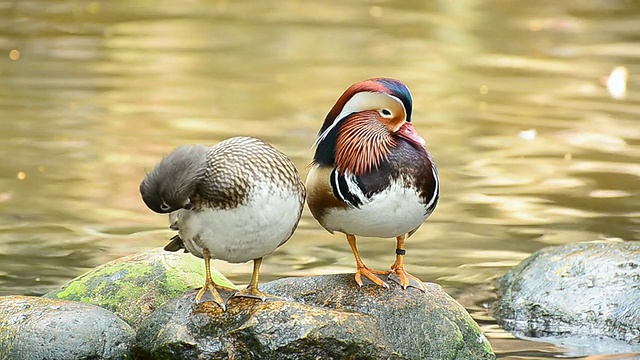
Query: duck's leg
[[398, 274], [362, 269], [225, 293], [252, 290]]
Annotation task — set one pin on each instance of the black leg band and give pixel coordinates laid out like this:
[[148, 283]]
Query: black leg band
[[401, 251]]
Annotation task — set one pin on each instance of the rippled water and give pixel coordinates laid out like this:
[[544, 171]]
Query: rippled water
[[534, 148]]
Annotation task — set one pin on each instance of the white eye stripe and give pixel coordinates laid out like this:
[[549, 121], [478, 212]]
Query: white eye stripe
[[404, 111], [366, 100]]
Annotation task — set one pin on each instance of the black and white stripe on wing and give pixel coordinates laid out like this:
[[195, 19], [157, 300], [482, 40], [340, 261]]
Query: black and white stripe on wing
[[435, 193], [346, 188]]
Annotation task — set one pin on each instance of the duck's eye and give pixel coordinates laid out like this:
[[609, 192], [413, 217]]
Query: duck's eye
[[385, 112], [164, 206]]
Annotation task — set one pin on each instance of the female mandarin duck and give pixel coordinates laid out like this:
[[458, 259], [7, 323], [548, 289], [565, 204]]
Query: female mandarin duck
[[371, 174], [236, 201]]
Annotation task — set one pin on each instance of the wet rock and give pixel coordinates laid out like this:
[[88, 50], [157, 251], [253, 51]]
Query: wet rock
[[42, 329], [134, 286], [324, 317], [584, 290]]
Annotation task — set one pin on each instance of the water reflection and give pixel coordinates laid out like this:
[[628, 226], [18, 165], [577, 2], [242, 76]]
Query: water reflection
[[94, 93]]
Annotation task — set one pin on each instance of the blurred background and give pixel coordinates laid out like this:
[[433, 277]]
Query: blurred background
[[530, 110]]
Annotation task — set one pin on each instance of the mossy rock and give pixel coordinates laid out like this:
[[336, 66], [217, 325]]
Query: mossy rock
[[323, 317], [33, 328], [134, 286]]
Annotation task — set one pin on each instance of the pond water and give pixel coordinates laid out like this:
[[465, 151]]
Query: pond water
[[529, 108]]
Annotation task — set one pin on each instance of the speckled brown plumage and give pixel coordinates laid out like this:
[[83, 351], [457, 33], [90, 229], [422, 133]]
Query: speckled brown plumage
[[237, 201], [234, 165]]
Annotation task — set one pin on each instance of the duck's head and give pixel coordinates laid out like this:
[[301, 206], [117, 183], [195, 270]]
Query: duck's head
[[376, 112], [172, 182]]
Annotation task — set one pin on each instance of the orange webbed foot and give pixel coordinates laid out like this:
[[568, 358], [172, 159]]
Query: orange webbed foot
[[400, 276], [371, 275], [254, 293], [218, 294]]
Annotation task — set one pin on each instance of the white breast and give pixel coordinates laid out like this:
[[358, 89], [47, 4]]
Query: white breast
[[247, 232], [391, 213]]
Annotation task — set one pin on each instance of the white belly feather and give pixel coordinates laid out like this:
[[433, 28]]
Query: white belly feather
[[391, 213], [246, 232]]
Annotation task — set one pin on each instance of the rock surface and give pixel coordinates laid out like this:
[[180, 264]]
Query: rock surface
[[324, 317], [585, 289], [134, 286], [43, 329]]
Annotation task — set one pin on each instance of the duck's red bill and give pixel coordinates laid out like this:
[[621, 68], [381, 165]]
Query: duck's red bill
[[408, 132]]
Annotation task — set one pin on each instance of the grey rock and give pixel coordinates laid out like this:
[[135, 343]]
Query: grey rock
[[323, 317], [44, 329], [584, 290]]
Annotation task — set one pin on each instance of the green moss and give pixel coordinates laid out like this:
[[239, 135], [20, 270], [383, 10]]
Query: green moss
[[474, 334], [135, 285], [72, 290], [486, 346], [138, 271], [7, 334], [175, 276], [192, 268]]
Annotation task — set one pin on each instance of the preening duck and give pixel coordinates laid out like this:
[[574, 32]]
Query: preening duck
[[236, 201]]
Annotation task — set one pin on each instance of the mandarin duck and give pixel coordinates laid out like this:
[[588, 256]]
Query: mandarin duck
[[371, 174], [236, 201]]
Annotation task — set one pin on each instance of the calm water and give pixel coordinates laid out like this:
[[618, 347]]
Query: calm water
[[512, 98]]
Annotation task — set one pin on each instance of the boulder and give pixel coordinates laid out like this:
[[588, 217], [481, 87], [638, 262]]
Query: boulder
[[134, 286], [584, 290], [43, 329], [322, 317]]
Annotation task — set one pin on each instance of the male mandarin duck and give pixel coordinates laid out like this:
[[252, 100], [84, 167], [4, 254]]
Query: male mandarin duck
[[371, 174], [236, 201]]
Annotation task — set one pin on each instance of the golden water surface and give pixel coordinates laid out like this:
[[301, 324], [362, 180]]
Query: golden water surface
[[530, 109]]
